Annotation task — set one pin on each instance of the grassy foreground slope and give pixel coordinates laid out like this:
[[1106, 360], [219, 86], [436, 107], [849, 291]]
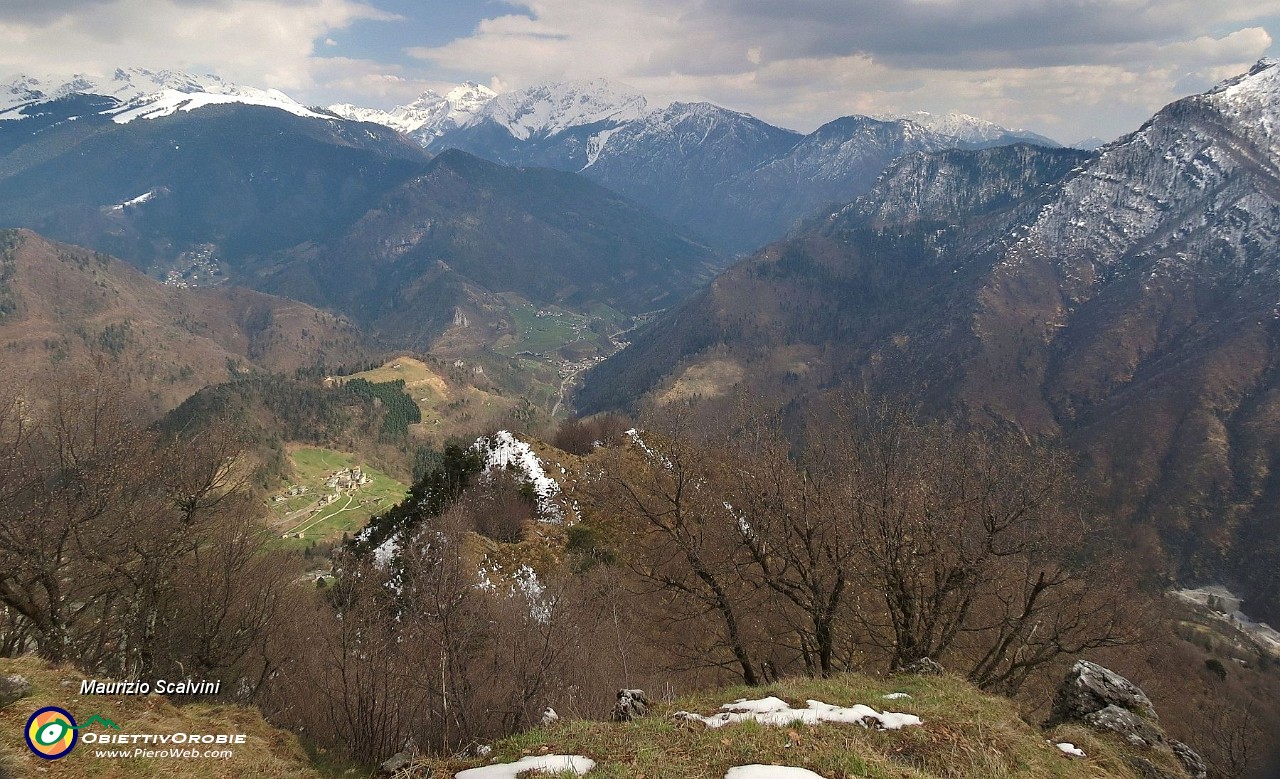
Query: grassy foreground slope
[[965, 735], [268, 753]]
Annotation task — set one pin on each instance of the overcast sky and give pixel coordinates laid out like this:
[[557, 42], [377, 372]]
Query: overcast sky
[[1065, 68]]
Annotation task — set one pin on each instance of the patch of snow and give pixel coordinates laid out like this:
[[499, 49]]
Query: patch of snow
[[896, 696], [759, 706], [758, 771], [774, 711], [596, 144], [504, 450], [634, 435], [548, 764], [1070, 749], [386, 551], [525, 582], [137, 201]]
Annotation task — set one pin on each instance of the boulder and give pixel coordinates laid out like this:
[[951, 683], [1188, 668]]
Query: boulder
[[397, 762], [1106, 701], [13, 688], [1088, 687], [1149, 770], [1136, 730], [631, 704], [1190, 760], [549, 717], [923, 667]]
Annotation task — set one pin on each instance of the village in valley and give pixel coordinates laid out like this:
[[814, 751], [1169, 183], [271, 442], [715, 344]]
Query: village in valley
[[330, 495]]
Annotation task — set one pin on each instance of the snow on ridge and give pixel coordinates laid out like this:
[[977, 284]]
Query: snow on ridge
[[547, 109], [1253, 101], [777, 712], [652, 455], [141, 93], [386, 551], [171, 101], [430, 115], [504, 450], [954, 124]]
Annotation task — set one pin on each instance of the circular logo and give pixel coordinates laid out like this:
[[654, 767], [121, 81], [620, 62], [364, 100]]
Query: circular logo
[[51, 733]]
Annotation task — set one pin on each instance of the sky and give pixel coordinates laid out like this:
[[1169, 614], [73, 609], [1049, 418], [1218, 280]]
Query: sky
[[1066, 68]]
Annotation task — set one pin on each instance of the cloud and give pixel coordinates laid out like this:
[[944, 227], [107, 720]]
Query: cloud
[[260, 42], [1067, 68], [1060, 66]]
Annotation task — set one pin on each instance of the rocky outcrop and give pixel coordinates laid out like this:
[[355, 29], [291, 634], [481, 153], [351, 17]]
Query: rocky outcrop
[[1089, 688], [396, 763], [1106, 701], [925, 666], [1190, 760], [13, 688], [631, 704], [1136, 730]]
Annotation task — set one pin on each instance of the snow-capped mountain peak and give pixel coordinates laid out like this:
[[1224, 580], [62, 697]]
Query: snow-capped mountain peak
[[140, 93], [1253, 101], [547, 109], [467, 99], [965, 128], [429, 116]]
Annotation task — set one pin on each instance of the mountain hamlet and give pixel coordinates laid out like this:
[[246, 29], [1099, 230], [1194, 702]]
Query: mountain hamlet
[[560, 431]]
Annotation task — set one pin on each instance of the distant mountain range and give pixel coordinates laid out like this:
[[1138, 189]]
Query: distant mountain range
[[732, 179], [727, 176], [348, 215], [1125, 302], [132, 93]]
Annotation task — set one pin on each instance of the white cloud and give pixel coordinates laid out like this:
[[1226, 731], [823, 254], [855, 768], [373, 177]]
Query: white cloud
[[1068, 68], [261, 42]]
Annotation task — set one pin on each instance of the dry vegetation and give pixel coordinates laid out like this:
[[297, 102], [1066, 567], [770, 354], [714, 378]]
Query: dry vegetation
[[702, 550], [269, 753], [71, 305], [965, 735]]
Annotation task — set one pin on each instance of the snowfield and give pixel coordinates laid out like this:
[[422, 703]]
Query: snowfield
[[777, 712]]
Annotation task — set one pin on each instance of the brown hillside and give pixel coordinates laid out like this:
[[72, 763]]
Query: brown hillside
[[62, 305]]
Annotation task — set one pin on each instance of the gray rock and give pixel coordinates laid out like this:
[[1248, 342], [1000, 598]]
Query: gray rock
[[13, 688], [1149, 770], [631, 704], [1191, 760], [1136, 730], [1088, 687], [549, 717], [923, 667], [397, 762]]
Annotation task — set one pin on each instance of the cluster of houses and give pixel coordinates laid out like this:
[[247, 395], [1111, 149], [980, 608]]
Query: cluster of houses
[[347, 479]]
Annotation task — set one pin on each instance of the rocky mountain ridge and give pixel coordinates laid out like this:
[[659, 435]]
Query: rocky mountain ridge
[[1124, 302]]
